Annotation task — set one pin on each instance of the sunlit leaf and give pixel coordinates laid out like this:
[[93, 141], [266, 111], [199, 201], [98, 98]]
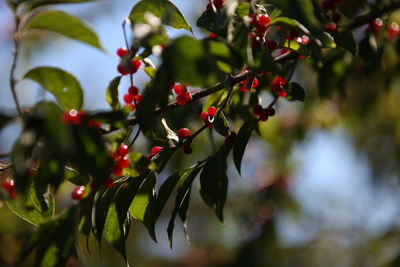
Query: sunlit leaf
[[112, 93]]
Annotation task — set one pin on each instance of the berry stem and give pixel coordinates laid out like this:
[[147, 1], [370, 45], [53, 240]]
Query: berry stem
[[12, 79]]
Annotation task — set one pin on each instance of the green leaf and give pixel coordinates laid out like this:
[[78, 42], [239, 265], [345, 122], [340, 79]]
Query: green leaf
[[36, 3], [344, 38], [214, 182], [112, 93], [163, 9], [53, 242], [28, 212], [284, 21], [213, 22], [243, 9], [63, 85], [159, 161], [241, 142], [184, 185], [114, 230], [150, 71], [221, 125], [298, 47], [64, 24], [296, 92], [143, 206], [165, 191]]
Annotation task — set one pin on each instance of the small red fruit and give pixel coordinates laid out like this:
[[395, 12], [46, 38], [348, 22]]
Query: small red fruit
[[184, 98], [78, 192], [271, 45], [138, 98], [187, 149], [213, 36], [128, 98], [155, 150], [133, 90], [108, 182], [179, 89], [123, 162], [263, 116], [270, 111], [336, 17], [135, 65], [257, 109], [122, 150], [183, 133], [123, 70], [211, 111], [117, 170], [121, 52]]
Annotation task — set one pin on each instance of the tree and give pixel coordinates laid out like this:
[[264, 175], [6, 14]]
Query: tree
[[251, 54]]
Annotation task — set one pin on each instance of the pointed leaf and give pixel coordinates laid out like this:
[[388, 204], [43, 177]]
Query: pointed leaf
[[112, 93], [64, 86], [296, 92], [241, 142], [64, 24]]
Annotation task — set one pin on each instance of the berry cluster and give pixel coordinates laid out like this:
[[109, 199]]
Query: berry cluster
[[132, 96], [278, 86], [330, 5], [208, 117], [260, 22], [120, 160], [217, 3], [374, 27], [243, 85], [182, 95], [127, 65], [263, 113], [77, 117], [78, 192], [9, 187]]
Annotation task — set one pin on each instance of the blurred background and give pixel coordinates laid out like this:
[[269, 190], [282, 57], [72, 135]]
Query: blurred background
[[320, 184]]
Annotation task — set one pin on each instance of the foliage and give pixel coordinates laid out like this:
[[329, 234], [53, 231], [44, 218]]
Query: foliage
[[253, 51]]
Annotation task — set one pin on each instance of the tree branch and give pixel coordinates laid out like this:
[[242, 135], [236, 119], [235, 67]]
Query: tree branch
[[367, 18], [12, 79]]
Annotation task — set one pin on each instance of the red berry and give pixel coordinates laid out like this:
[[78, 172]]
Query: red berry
[[123, 162], [179, 89], [393, 30], [257, 109], [8, 185], [278, 84], [122, 150], [117, 170], [128, 98], [211, 111], [213, 36], [183, 98], [204, 116], [73, 116], [330, 27], [270, 111], [243, 88], [135, 65], [187, 149], [108, 182], [138, 98], [133, 90], [183, 133], [123, 69], [155, 150], [121, 52], [93, 123], [78, 192], [219, 3], [282, 93], [263, 116], [255, 83]]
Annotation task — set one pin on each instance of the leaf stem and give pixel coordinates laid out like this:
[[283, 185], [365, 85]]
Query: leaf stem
[[12, 79]]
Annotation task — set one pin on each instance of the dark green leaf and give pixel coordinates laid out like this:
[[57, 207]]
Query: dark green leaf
[[159, 161], [241, 142], [64, 86], [112, 93], [185, 183], [163, 9], [143, 206], [27, 210], [221, 125], [243, 9], [296, 92], [36, 3], [64, 24], [344, 38]]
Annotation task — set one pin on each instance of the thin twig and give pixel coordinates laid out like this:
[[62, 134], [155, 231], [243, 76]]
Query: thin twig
[[5, 155], [12, 78]]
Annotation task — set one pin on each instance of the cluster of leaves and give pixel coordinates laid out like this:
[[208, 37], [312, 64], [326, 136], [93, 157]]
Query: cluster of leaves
[[56, 146]]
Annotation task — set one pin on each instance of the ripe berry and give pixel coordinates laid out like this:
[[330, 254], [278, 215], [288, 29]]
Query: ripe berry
[[393, 30], [121, 52], [270, 111], [183, 133], [219, 4], [138, 98], [255, 83], [211, 111], [230, 140], [122, 150], [271, 45], [187, 149], [9, 187], [330, 27], [278, 84], [78, 192], [263, 116], [179, 89], [123, 70], [257, 109], [128, 98], [135, 65], [108, 182], [155, 150], [117, 170], [73, 116], [213, 36], [336, 17], [184, 98], [133, 90], [282, 94], [123, 162]]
